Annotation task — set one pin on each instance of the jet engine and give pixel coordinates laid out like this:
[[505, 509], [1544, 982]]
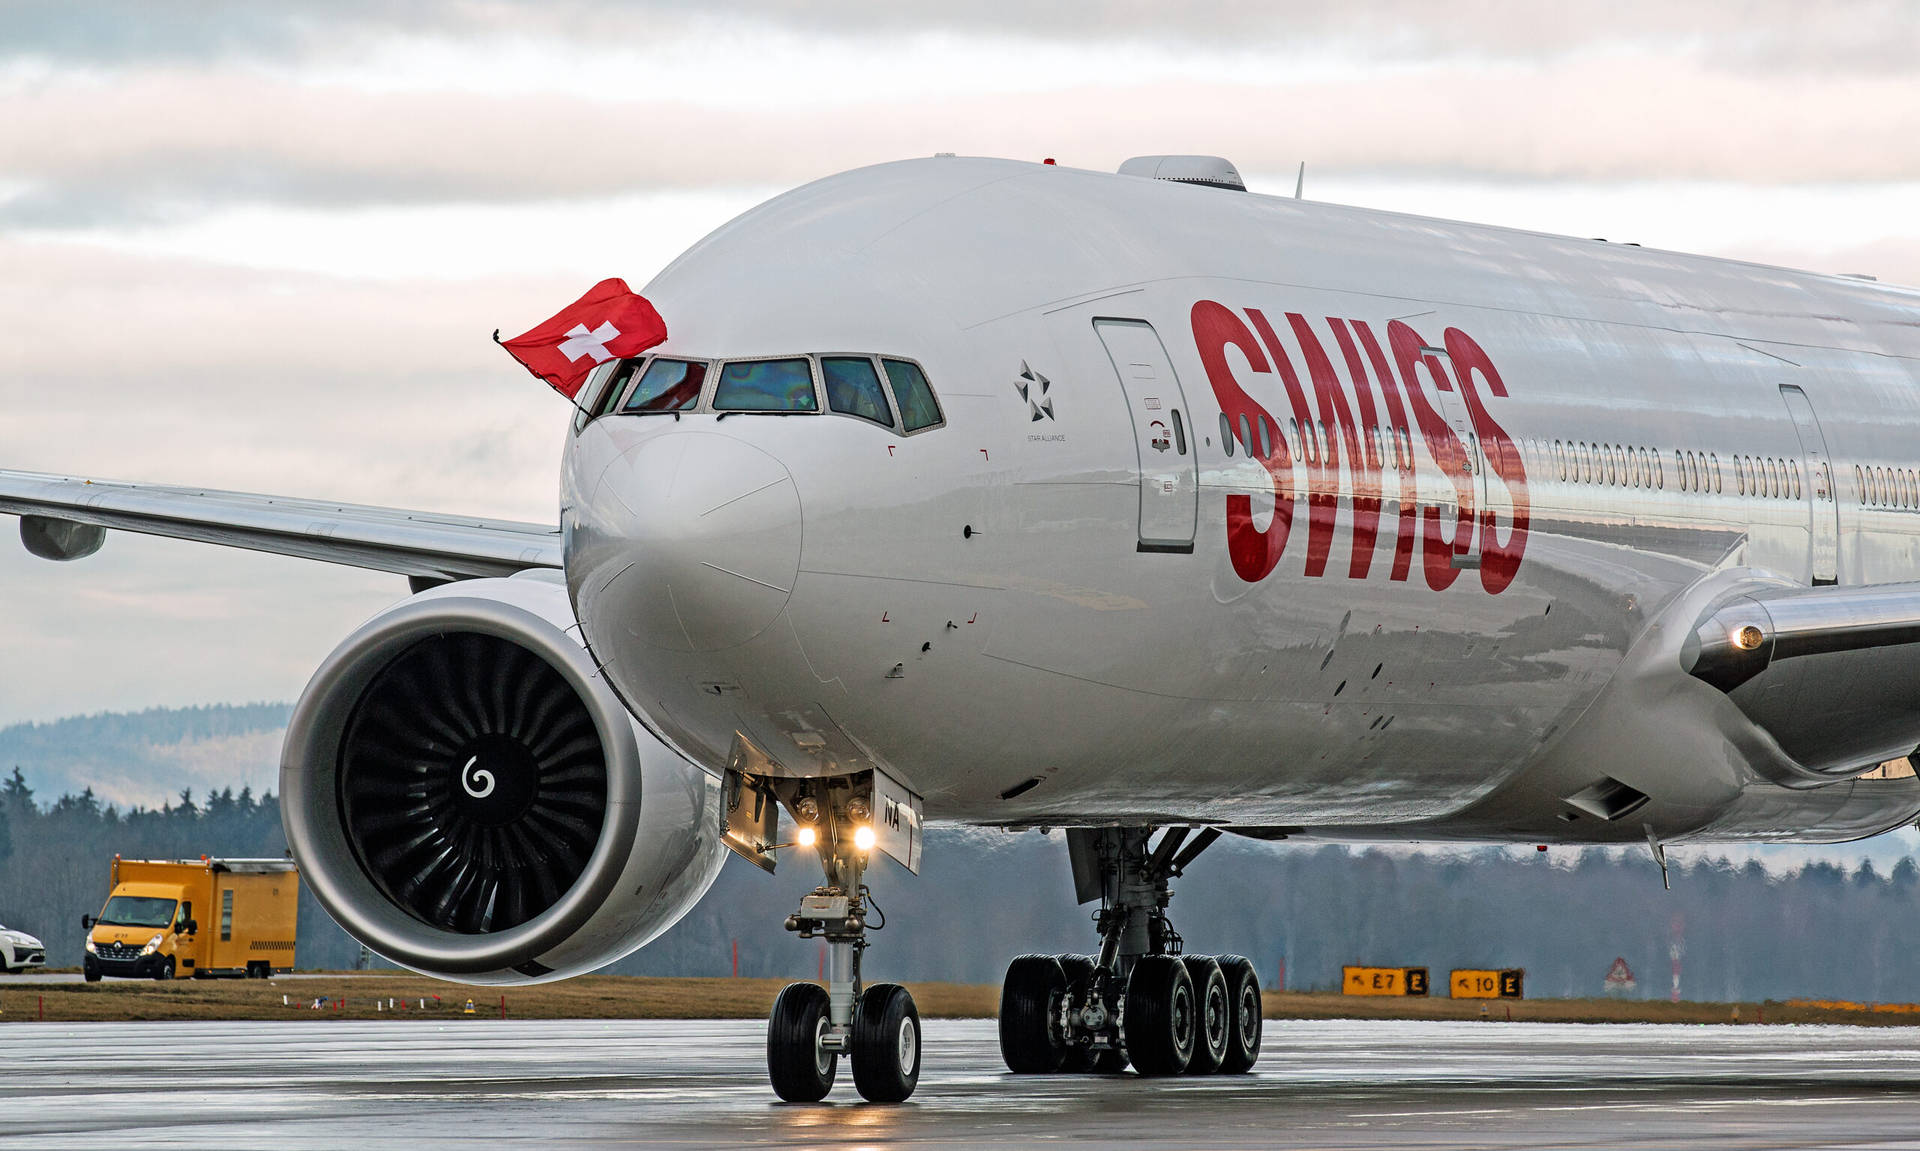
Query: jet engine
[[466, 795]]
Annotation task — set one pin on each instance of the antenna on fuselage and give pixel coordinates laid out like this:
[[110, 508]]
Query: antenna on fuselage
[[1300, 181]]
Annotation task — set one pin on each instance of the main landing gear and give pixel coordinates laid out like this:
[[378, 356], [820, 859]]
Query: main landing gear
[[876, 1026], [1139, 1001]]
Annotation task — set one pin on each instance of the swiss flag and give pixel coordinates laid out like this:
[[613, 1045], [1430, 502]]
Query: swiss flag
[[609, 322]]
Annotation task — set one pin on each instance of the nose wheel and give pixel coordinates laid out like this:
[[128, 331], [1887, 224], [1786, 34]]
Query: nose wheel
[[810, 1027]]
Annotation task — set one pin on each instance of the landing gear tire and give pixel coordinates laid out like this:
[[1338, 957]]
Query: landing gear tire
[[1029, 1003], [886, 1044], [1213, 1017], [1160, 1018], [164, 972], [1078, 969], [801, 1070], [1243, 1031]]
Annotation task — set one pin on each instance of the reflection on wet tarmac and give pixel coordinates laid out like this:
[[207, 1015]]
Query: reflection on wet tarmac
[[318, 1084]]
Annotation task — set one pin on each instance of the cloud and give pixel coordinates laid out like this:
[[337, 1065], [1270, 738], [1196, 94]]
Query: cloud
[[172, 371], [1839, 36], [171, 144]]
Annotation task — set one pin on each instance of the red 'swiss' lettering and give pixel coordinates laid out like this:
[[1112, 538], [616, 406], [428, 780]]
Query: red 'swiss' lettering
[[1449, 454], [1255, 553], [1349, 446], [1499, 560], [1401, 449]]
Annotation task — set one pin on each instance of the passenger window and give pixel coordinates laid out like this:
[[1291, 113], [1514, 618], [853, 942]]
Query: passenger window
[[853, 388], [918, 408], [1246, 433], [1226, 435], [765, 386], [1266, 444], [668, 386]]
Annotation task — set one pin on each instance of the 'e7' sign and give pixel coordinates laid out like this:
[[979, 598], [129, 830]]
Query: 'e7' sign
[[1383, 980]]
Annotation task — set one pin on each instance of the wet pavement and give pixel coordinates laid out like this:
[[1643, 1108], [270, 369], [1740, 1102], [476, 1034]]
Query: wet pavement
[[331, 1084]]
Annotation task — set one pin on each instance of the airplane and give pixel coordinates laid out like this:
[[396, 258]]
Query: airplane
[[1134, 505]]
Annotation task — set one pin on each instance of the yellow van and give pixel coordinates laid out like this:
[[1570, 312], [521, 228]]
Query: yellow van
[[200, 917]]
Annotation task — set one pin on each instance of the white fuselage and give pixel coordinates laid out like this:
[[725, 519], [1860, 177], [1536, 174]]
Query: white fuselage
[[1428, 602]]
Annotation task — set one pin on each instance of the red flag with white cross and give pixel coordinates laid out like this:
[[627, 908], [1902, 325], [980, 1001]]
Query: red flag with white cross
[[609, 322]]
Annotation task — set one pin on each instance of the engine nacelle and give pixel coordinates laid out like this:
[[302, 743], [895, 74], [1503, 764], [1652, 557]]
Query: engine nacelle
[[467, 797]]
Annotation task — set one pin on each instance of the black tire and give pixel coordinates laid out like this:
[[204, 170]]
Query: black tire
[[1160, 1015], [1029, 997], [259, 971], [886, 1044], [1078, 969], [1213, 1014], [800, 1070], [90, 971], [1243, 992], [164, 971]]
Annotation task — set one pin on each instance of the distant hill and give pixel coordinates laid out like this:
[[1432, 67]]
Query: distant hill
[[147, 758]]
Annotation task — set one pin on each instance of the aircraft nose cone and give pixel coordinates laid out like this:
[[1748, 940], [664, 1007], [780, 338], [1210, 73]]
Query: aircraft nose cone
[[697, 538]]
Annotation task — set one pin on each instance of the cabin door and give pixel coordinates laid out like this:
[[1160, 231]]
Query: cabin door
[[1162, 434], [1822, 505]]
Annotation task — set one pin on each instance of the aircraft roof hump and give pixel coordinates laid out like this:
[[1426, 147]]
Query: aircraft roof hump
[[1212, 171]]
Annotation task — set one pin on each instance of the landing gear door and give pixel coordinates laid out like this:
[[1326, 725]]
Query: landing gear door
[[1162, 434], [1823, 505], [897, 818]]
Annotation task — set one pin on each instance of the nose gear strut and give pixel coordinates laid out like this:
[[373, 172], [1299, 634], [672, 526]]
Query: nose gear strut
[[877, 1025]]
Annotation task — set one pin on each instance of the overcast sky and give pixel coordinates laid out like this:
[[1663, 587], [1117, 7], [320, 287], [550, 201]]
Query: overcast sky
[[261, 246]]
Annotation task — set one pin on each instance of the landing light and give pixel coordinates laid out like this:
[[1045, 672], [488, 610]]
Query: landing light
[[1747, 638], [863, 838], [806, 837]]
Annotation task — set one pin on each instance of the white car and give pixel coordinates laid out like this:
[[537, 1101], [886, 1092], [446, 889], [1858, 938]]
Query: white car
[[19, 951]]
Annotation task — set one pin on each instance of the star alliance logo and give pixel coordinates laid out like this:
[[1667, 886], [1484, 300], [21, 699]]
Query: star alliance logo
[[1033, 389]]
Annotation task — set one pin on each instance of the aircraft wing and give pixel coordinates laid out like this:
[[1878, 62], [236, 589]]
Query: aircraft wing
[[1832, 674], [66, 518]]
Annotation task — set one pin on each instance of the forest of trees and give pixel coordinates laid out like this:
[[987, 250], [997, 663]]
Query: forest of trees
[[984, 897]]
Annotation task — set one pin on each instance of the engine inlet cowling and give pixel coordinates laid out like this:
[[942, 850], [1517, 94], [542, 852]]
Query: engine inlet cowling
[[467, 797], [473, 785]]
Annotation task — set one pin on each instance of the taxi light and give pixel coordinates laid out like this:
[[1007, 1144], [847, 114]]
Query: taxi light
[[863, 838], [1747, 637], [807, 837]]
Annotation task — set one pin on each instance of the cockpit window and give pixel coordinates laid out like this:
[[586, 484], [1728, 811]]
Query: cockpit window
[[668, 386], [616, 383], [601, 391], [918, 408], [766, 386], [853, 388]]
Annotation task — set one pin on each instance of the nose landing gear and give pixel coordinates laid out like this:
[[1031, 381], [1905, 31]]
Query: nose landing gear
[[877, 1025], [1140, 1000]]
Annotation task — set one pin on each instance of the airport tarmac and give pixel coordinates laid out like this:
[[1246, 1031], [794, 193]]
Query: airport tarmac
[[1339, 1084]]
